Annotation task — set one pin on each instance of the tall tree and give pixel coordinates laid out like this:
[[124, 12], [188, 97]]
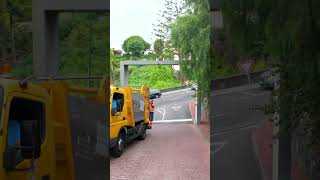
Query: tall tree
[[292, 35], [190, 34], [158, 48], [135, 46], [172, 10]]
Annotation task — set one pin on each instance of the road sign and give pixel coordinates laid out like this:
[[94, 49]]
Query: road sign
[[246, 66]]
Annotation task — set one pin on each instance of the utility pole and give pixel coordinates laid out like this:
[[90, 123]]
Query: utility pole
[[281, 147]]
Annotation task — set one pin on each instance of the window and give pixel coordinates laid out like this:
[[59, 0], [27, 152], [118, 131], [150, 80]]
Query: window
[[22, 110], [118, 102]]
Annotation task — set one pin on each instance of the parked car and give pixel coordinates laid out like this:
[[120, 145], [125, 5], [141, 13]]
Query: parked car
[[267, 80], [194, 86], [155, 93]]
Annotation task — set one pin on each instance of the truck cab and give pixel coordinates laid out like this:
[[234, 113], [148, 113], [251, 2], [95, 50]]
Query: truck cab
[[25, 136], [129, 117], [43, 134]]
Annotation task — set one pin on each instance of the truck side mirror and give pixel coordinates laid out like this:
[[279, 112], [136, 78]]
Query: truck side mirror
[[30, 140]]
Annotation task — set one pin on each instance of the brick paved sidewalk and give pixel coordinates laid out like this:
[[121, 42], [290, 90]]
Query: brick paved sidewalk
[[204, 125], [170, 152], [263, 138]]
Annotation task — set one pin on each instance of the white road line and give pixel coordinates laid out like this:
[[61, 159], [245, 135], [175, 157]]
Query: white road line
[[253, 94], [220, 144], [162, 111], [173, 120], [233, 130]]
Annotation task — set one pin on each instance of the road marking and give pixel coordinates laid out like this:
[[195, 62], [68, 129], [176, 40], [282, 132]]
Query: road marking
[[173, 120], [254, 94], [233, 129], [162, 111], [220, 146], [176, 108], [187, 89]]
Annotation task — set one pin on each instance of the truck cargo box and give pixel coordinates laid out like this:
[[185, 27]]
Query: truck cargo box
[[89, 120], [138, 107]]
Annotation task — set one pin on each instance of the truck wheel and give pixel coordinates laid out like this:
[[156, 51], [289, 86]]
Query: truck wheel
[[143, 134], [118, 149]]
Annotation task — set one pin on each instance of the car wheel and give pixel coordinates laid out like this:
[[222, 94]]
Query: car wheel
[[143, 134], [118, 149]]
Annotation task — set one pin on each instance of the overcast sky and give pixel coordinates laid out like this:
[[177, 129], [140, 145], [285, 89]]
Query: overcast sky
[[133, 17]]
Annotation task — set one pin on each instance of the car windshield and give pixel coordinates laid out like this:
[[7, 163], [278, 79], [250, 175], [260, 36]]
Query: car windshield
[[1, 101]]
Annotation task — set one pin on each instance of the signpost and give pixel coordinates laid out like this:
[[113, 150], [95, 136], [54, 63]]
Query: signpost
[[246, 66]]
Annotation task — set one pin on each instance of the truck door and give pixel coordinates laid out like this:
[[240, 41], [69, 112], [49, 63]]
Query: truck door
[[28, 152]]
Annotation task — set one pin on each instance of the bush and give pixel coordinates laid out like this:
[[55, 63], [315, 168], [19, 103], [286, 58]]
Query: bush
[[156, 77]]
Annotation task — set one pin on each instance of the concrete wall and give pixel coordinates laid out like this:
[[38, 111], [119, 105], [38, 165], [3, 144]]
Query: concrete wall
[[237, 80]]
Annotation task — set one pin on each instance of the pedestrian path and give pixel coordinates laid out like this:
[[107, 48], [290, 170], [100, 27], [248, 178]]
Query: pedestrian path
[[170, 152]]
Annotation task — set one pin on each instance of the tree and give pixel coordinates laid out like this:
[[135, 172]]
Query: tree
[[191, 35], [173, 9], [114, 66], [13, 15], [159, 47], [135, 45], [292, 35]]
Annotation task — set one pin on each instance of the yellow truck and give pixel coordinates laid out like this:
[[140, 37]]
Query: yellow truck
[[49, 131], [129, 117]]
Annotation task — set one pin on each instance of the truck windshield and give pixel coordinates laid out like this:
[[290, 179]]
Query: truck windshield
[[1, 101]]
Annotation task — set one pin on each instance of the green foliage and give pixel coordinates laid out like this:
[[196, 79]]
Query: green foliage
[[83, 36], [114, 66], [135, 45], [23, 70], [191, 36], [159, 47], [84, 44], [156, 77], [15, 36], [291, 32]]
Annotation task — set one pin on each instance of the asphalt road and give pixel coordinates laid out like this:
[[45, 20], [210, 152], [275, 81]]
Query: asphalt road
[[173, 106], [234, 116]]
